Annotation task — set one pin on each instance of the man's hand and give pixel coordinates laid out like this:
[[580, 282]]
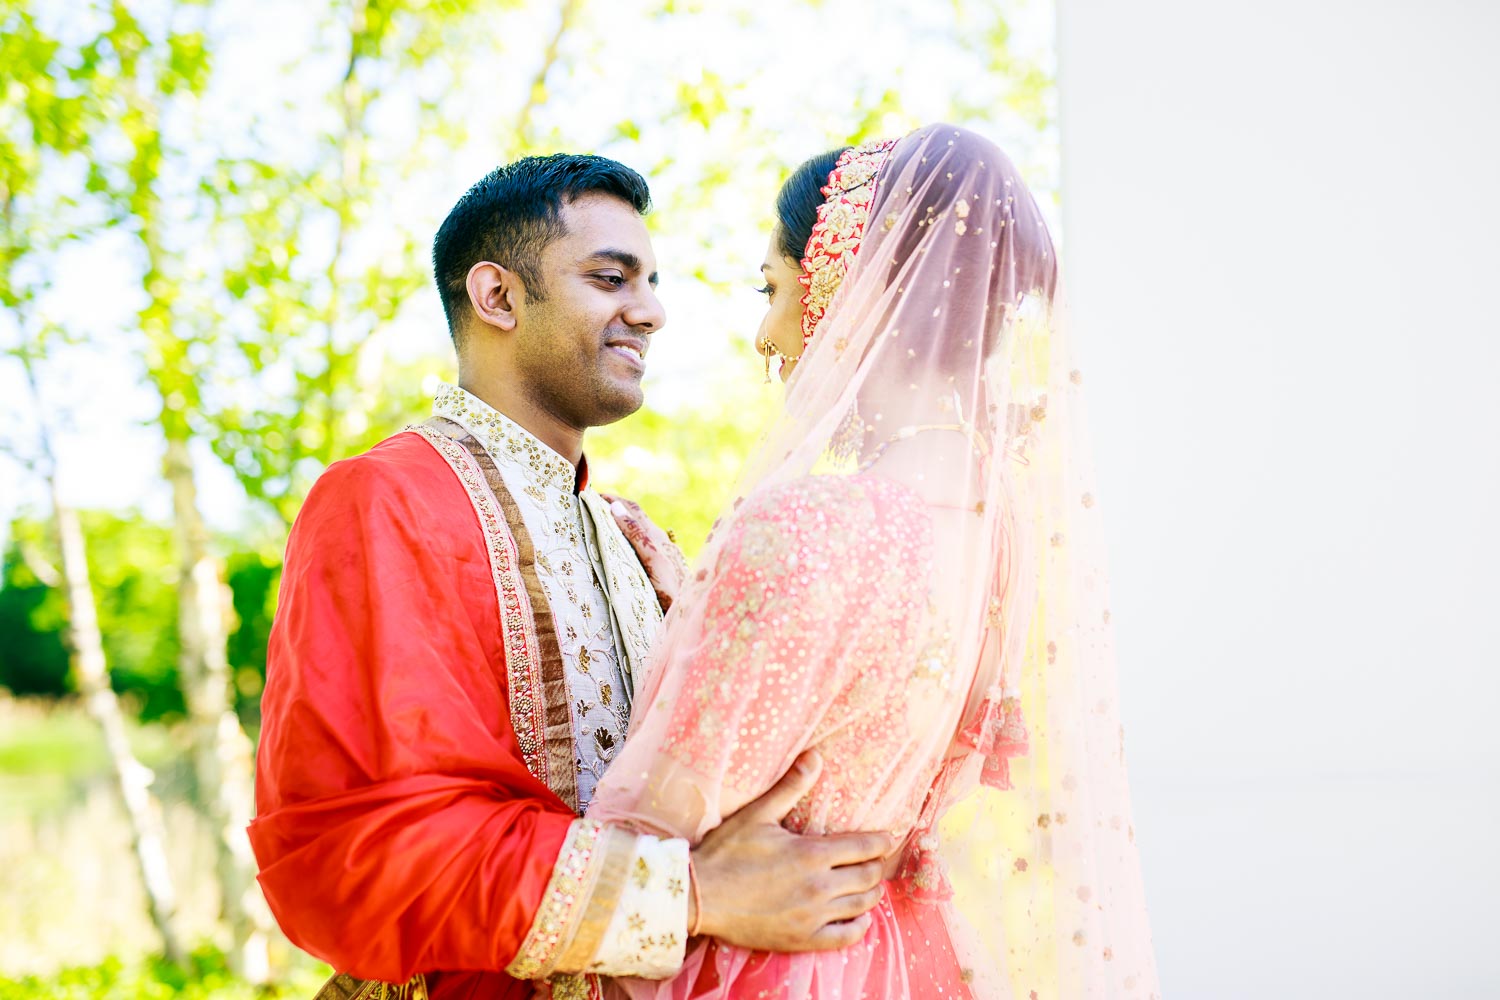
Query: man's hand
[[766, 888]]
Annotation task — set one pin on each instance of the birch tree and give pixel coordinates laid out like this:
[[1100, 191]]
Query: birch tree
[[151, 72], [303, 377], [47, 120]]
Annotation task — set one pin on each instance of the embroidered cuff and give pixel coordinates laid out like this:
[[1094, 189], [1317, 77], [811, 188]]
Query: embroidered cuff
[[578, 902], [616, 904], [647, 934]]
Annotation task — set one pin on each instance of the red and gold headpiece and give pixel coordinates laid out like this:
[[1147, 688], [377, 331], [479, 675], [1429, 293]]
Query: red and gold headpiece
[[840, 228]]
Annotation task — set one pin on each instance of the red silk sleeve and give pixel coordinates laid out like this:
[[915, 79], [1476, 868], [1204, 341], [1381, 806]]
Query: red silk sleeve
[[398, 830]]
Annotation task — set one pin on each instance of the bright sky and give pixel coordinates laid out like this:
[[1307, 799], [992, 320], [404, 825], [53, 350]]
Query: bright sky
[[807, 71]]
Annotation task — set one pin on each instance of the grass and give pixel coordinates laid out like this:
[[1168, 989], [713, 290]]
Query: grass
[[72, 908], [51, 742], [48, 749], [205, 976]]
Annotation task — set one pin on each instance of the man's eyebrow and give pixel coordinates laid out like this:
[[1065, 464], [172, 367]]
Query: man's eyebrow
[[626, 259]]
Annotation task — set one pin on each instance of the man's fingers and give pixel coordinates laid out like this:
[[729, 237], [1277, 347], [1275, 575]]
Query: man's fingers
[[773, 806], [855, 904], [831, 937], [855, 878], [838, 849]]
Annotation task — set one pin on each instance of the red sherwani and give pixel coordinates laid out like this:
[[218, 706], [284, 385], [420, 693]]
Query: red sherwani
[[404, 825]]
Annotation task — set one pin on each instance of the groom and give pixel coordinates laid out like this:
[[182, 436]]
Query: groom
[[460, 630]]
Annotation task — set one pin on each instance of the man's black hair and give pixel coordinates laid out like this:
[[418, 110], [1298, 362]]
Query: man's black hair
[[797, 203], [513, 213]]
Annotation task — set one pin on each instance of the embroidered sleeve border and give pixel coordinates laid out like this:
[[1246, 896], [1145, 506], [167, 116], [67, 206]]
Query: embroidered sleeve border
[[579, 901]]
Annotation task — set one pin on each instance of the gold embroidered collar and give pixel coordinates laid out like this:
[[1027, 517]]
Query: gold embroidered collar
[[506, 441]]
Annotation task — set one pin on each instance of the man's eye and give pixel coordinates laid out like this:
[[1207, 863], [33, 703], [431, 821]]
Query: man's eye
[[614, 279]]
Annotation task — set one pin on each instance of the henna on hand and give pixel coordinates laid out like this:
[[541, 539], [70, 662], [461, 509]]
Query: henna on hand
[[663, 561]]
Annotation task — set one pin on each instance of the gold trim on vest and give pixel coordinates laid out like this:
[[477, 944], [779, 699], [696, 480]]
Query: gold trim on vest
[[523, 668]]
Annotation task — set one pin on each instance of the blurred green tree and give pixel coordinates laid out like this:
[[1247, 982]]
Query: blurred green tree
[[149, 69], [681, 464], [51, 118], [34, 657], [302, 380], [133, 581]]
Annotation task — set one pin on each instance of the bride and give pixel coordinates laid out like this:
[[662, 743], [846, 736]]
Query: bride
[[909, 583]]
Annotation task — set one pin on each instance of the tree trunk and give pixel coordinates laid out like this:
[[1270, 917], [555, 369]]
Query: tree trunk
[[223, 757], [87, 653]]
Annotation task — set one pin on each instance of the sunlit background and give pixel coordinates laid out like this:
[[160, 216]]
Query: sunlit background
[[1278, 224], [216, 234]]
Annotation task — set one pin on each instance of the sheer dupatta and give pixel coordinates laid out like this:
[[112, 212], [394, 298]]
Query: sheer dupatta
[[911, 579]]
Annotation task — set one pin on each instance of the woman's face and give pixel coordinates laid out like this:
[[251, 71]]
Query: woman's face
[[782, 326]]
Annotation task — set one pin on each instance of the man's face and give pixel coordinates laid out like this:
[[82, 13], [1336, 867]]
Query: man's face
[[581, 351]]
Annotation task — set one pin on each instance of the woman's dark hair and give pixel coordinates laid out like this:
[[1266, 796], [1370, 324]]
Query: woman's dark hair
[[797, 203], [513, 213]]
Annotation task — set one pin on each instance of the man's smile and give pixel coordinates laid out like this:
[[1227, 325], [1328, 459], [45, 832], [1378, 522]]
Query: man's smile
[[631, 347]]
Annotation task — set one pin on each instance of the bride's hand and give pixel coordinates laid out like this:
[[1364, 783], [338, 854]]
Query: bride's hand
[[656, 549]]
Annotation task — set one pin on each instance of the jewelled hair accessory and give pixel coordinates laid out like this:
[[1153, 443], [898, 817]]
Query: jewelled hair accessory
[[840, 228]]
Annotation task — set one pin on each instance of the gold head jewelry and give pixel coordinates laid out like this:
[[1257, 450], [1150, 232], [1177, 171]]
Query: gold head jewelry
[[840, 228]]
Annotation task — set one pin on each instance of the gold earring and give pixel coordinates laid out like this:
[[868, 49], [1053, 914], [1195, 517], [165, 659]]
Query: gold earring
[[766, 349]]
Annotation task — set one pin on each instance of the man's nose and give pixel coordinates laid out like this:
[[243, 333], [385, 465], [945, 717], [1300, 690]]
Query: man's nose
[[646, 313]]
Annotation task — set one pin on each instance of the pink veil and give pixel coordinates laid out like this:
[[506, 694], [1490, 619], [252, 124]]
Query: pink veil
[[941, 366]]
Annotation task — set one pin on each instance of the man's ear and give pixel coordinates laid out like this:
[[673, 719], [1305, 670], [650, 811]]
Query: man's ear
[[496, 293]]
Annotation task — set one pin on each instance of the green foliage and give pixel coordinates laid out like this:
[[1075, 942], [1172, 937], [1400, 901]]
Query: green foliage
[[206, 976], [51, 750], [134, 576], [681, 466], [51, 743], [33, 658], [46, 112], [134, 581], [253, 578], [306, 313]]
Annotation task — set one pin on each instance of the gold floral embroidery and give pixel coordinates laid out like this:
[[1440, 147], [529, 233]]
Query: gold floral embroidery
[[796, 683], [839, 229], [566, 892], [573, 583], [641, 937], [500, 434], [524, 682], [574, 988], [345, 987]]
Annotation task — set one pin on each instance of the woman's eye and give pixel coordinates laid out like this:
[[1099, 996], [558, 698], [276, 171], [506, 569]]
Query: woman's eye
[[766, 290]]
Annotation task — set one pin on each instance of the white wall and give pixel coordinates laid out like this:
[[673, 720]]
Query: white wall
[[1282, 234]]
